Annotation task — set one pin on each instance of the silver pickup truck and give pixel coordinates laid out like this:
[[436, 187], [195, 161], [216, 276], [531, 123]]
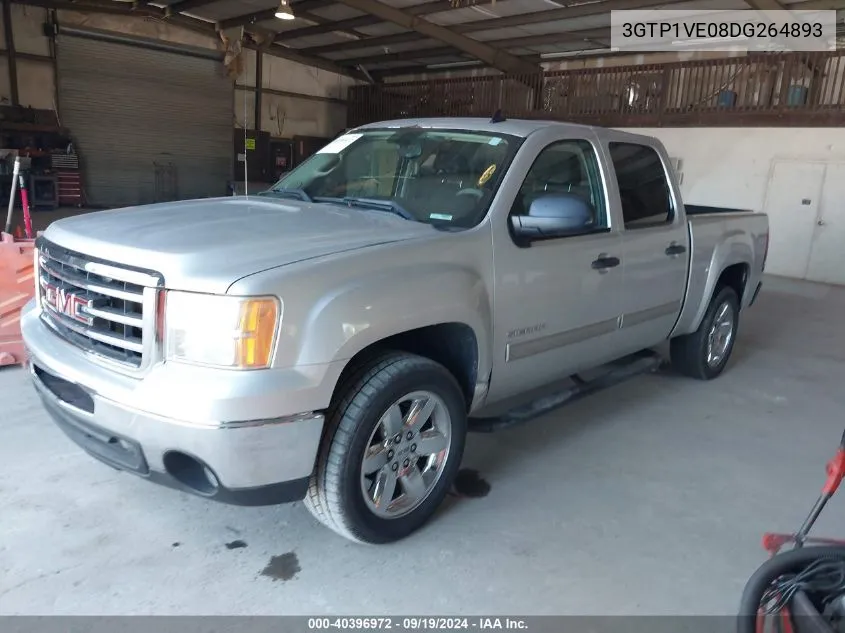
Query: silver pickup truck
[[333, 338]]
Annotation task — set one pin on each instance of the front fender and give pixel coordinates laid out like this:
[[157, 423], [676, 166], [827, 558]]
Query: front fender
[[360, 313]]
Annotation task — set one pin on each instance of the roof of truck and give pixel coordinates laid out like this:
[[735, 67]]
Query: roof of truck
[[514, 127]]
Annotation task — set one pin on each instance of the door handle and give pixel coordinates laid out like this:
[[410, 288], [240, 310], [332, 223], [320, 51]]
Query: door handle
[[604, 262], [675, 249]]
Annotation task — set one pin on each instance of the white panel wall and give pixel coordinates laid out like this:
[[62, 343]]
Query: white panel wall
[[735, 167], [730, 166], [286, 116], [35, 78], [35, 84]]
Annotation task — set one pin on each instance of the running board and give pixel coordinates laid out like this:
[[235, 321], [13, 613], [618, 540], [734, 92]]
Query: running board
[[620, 371]]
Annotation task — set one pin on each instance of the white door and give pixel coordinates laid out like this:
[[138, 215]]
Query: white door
[[792, 203], [827, 255]]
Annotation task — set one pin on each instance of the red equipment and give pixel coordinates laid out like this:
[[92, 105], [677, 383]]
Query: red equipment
[[27, 216], [17, 278], [796, 612], [773, 542]]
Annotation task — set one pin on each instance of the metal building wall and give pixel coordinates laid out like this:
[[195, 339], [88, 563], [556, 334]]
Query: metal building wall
[[151, 123]]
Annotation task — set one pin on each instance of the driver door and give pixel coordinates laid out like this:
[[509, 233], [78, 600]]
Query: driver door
[[556, 313]]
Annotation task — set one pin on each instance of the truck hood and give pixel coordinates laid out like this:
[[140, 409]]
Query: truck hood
[[206, 245]]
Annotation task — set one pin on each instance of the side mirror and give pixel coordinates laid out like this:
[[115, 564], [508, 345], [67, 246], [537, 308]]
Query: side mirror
[[554, 215]]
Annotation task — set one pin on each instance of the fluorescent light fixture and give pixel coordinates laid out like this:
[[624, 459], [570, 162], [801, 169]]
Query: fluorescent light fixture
[[284, 12], [453, 64], [711, 40], [563, 54]]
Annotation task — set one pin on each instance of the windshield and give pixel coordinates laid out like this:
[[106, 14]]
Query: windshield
[[439, 177]]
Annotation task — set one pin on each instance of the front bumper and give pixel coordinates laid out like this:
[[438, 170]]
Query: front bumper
[[252, 459]]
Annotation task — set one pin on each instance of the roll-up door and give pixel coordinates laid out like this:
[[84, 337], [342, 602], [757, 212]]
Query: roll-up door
[[149, 125]]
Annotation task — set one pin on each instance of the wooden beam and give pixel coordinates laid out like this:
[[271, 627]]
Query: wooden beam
[[189, 5], [368, 42], [311, 5], [818, 5], [512, 42], [564, 13], [293, 95], [31, 57], [186, 5], [364, 20], [766, 5], [290, 54], [328, 26], [247, 18], [536, 17], [321, 21], [480, 50], [111, 7], [269, 14], [106, 7]]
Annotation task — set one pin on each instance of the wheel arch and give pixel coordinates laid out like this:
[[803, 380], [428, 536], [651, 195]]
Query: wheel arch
[[452, 344], [442, 312], [728, 265]]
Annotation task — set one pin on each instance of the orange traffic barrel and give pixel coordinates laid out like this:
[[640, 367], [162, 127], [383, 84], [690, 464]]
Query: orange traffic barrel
[[17, 286]]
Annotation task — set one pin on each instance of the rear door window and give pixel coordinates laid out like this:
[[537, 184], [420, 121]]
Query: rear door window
[[643, 186]]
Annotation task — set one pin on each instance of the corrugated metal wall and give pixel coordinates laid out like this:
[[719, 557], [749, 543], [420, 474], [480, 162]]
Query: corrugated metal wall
[[149, 125]]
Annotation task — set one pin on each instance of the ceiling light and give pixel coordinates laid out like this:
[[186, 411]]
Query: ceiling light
[[284, 12], [586, 51]]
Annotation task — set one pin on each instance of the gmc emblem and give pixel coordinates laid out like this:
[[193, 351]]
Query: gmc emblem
[[66, 303]]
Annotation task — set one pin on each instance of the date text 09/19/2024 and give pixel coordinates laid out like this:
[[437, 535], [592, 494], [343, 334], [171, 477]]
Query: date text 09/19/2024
[[429, 623]]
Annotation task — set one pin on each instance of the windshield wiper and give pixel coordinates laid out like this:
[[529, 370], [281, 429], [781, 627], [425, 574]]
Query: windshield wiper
[[379, 205], [298, 194]]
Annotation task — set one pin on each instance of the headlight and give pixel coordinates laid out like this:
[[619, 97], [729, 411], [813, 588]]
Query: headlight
[[220, 331]]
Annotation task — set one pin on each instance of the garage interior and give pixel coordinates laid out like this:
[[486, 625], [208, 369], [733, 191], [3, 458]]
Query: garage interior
[[130, 103]]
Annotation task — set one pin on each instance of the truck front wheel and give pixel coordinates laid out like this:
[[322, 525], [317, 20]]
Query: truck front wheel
[[705, 353], [393, 443]]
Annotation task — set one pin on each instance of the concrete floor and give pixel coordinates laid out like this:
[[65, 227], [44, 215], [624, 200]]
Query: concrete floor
[[648, 499]]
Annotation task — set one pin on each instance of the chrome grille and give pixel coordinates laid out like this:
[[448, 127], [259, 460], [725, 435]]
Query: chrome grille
[[104, 309]]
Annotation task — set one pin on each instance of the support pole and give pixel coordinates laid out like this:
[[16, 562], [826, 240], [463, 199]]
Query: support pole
[[12, 193], [259, 74], [10, 52]]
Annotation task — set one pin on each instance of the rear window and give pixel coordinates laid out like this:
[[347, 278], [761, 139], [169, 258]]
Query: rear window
[[643, 187]]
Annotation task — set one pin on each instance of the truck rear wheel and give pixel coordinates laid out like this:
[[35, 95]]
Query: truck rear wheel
[[705, 353], [392, 447]]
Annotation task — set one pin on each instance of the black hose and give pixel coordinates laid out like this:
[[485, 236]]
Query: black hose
[[787, 562]]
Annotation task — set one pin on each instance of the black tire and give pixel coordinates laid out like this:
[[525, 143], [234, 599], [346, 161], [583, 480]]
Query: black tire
[[334, 495], [787, 562], [689, 352]]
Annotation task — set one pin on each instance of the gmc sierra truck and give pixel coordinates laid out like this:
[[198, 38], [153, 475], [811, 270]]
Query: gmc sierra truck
[[333, 338]]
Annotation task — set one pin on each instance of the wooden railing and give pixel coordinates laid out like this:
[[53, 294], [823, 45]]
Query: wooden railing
[[769, 89]]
